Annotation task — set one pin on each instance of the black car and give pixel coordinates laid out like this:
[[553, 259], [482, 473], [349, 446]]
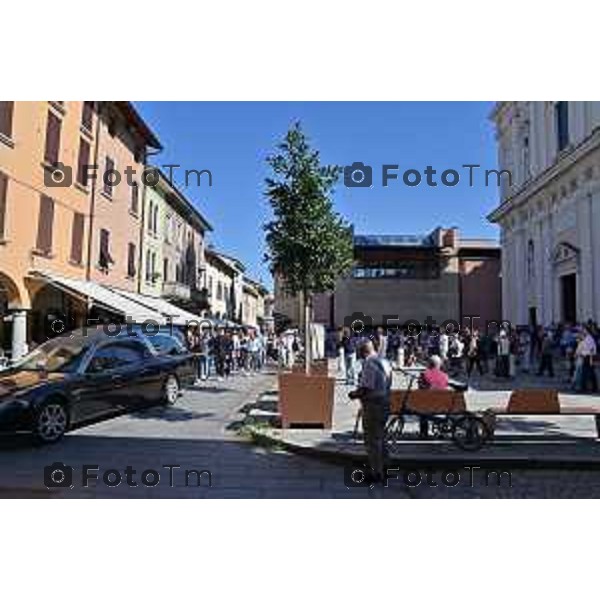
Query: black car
[[79, 377]]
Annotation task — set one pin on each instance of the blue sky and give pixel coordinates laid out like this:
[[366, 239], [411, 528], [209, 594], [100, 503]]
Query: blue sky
[[232, 139]]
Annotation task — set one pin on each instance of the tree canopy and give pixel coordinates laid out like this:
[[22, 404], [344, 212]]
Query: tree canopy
[[309, 244]]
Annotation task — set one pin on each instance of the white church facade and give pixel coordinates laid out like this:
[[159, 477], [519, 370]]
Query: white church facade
[[549, 214]]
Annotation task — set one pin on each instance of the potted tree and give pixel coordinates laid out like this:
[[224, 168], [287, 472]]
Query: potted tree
[[309, 246]]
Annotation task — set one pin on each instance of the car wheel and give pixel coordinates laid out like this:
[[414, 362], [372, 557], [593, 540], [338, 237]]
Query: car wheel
[[51, 421], [171, 390]]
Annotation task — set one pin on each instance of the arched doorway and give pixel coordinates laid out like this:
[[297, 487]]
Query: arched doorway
[[10, 300], [53, 313]]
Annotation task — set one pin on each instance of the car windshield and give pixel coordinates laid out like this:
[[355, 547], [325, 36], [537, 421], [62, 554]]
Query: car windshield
[[60, 355]]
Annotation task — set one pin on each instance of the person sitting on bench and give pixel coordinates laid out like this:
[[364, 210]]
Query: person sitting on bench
[[433, 378]]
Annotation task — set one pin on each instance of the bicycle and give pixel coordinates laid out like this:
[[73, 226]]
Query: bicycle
[[467, 430]]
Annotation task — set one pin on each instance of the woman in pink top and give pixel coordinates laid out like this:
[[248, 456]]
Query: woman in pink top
[[433, 378]]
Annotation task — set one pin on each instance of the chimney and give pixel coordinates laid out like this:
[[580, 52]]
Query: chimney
[[450, 238]]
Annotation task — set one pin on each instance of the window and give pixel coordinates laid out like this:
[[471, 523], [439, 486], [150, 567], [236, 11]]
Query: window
[[109, 168], [6, 118], [166, 344], [45, 225], [168, 229], [131, 260], [82, 162], [135, 196], [77, 238], [155, 220], [87, 115], [561, 111], [166, 269], [105, 259], [530, 260], [3, 194], [150, 213], [148, 266], [422, 269], [525, 158], [52, 149], [116, 356], [219, 291]]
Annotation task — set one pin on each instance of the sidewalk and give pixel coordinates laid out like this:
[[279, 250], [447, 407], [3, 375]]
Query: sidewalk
[[533, 441]]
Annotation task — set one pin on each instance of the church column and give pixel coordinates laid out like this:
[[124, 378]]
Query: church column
[[505, 258], [584, 274], [545, 262], [594, 211], [520, 277]]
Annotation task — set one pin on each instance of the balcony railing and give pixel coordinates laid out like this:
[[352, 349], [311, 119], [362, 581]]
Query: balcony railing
[[174, 289]]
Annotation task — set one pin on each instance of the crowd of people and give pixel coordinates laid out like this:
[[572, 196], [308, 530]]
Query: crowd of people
[[225, 351], [504, 352], [222, 352]]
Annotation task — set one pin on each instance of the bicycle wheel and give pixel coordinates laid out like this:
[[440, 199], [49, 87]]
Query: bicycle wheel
[[470, 433], [393, 431]]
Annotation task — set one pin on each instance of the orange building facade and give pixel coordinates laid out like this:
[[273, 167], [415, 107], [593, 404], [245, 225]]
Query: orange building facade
[[58, 214]]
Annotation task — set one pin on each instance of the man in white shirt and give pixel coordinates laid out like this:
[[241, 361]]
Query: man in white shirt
[[586, 351], [444, 345], [374, 394]]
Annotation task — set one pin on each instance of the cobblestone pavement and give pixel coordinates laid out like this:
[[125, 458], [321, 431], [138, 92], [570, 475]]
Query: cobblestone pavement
[[198, 434]]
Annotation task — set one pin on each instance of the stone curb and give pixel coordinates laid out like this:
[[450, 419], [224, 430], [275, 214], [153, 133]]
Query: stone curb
[[420, 458]]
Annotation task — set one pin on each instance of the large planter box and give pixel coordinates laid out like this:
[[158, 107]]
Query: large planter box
[[318, 367], [306, 400]]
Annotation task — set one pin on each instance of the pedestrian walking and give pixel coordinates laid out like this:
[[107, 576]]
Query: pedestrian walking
[[503, 354], [349, 345], [546, 356], [473, 354], [586, 351]]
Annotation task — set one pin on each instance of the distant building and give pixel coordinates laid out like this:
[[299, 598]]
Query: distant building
[[254, 299], [233, 296], [223, 280], [181, 232], [550, 210], [396, 278]]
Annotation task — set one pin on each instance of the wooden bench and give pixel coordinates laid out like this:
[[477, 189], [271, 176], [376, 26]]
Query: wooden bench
[[426, 402], [540, 402]]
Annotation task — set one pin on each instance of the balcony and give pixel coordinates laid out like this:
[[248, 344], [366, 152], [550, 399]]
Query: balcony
[[201, 298], [174, 289]]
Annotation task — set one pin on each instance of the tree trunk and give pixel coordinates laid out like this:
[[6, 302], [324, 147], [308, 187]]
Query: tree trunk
[[307, 341]]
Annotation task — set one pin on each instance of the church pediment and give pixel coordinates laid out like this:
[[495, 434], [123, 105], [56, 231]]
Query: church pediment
[[564, 252]]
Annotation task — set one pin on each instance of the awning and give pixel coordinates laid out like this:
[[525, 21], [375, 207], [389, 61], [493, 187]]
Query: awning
[[176, 315], [104, 297]]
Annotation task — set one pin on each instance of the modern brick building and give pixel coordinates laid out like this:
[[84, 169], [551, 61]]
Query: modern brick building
[[411, 277]]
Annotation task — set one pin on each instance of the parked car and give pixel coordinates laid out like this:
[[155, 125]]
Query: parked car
[[75, 378]]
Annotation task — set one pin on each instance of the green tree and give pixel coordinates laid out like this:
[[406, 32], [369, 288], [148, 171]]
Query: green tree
[[309, 245]]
